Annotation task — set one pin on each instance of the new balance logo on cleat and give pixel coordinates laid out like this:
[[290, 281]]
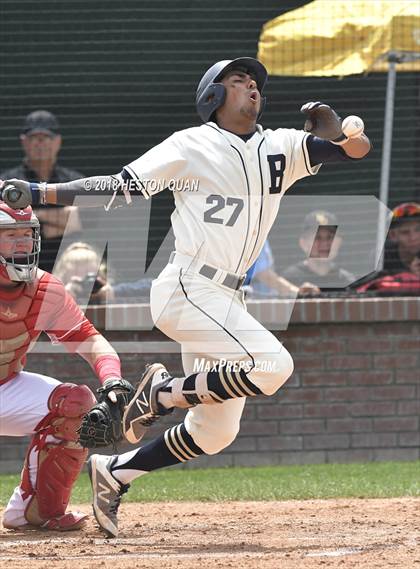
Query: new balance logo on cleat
[[144, 409], [102, 495], [142, 404]]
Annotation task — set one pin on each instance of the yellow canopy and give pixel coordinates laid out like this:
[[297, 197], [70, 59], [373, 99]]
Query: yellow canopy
[[340, 37]]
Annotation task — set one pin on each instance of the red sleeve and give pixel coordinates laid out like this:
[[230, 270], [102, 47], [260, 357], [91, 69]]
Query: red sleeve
[[60, 317]]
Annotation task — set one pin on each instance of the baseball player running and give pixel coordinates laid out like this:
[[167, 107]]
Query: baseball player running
[[243, 171], [32, 301]]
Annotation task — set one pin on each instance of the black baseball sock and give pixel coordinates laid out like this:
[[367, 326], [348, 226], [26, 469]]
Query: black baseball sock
[[174, 446]]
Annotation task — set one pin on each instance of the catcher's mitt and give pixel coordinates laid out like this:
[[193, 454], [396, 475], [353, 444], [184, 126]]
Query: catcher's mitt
[[101, 426]]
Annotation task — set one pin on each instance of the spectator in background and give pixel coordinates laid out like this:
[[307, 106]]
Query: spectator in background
[[262, 281], [401, 272], [77, 268], [321, 244], [403, 245], [41, 142]]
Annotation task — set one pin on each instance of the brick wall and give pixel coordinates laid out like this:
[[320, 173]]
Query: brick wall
[[354, 394]]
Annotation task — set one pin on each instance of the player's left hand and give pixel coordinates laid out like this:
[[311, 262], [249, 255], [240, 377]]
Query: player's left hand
[[102, 425], [322, 121], [16, 193]]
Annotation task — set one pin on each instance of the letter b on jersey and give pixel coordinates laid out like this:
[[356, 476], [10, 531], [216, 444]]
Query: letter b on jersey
[[277, 163]]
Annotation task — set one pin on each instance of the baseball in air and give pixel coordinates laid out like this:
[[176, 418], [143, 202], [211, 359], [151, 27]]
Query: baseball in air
[[352, 126]]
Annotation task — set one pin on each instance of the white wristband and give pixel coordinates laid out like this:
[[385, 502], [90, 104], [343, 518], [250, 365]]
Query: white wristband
[[342, 139], [42, 193]]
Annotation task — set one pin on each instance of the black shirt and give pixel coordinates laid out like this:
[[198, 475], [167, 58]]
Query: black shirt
[[335, 278], [392, 260]]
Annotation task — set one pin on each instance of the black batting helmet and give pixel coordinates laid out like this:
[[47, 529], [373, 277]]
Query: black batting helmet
[[211, 95]]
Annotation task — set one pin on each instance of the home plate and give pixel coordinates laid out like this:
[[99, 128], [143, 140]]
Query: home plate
[[335, 553]]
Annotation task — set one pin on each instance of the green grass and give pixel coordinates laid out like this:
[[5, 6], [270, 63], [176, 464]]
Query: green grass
[[371, 480]]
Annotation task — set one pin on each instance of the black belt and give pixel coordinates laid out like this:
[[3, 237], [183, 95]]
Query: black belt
[[231, 280]]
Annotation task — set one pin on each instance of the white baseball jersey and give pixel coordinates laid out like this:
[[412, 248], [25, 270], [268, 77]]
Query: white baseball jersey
[[227, 191]]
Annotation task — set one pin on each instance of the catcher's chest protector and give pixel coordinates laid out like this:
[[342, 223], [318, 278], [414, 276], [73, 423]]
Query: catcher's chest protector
[[19, 312]]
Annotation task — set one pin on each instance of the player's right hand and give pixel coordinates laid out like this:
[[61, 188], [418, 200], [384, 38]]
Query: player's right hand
[[16, 193]]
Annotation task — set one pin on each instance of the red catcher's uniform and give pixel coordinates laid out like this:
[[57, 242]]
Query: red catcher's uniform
[[33, 404], [40, 406], [43, 305]]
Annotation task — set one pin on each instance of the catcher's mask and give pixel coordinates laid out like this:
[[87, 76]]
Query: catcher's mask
[[211, 94], [20, 266]]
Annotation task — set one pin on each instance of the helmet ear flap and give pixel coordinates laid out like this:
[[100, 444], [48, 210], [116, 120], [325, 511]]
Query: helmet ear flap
[[210, 100]]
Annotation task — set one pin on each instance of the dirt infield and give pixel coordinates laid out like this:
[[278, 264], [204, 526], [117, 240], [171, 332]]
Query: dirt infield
[[255, 535]]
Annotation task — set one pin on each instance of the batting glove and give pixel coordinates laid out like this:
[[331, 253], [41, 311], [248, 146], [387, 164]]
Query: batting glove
[[16, 193], [323, 121]]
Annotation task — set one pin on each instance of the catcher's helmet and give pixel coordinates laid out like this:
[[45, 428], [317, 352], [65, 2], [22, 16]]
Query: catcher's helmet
[[20, 267], [211, 95]]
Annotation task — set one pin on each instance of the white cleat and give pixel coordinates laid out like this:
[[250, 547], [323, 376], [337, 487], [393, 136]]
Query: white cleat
[[107, 492]]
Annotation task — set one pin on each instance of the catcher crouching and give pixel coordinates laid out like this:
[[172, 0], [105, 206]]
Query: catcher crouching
[[32, 301]]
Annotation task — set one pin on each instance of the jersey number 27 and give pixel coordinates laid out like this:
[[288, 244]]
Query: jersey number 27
[[220, 203]]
